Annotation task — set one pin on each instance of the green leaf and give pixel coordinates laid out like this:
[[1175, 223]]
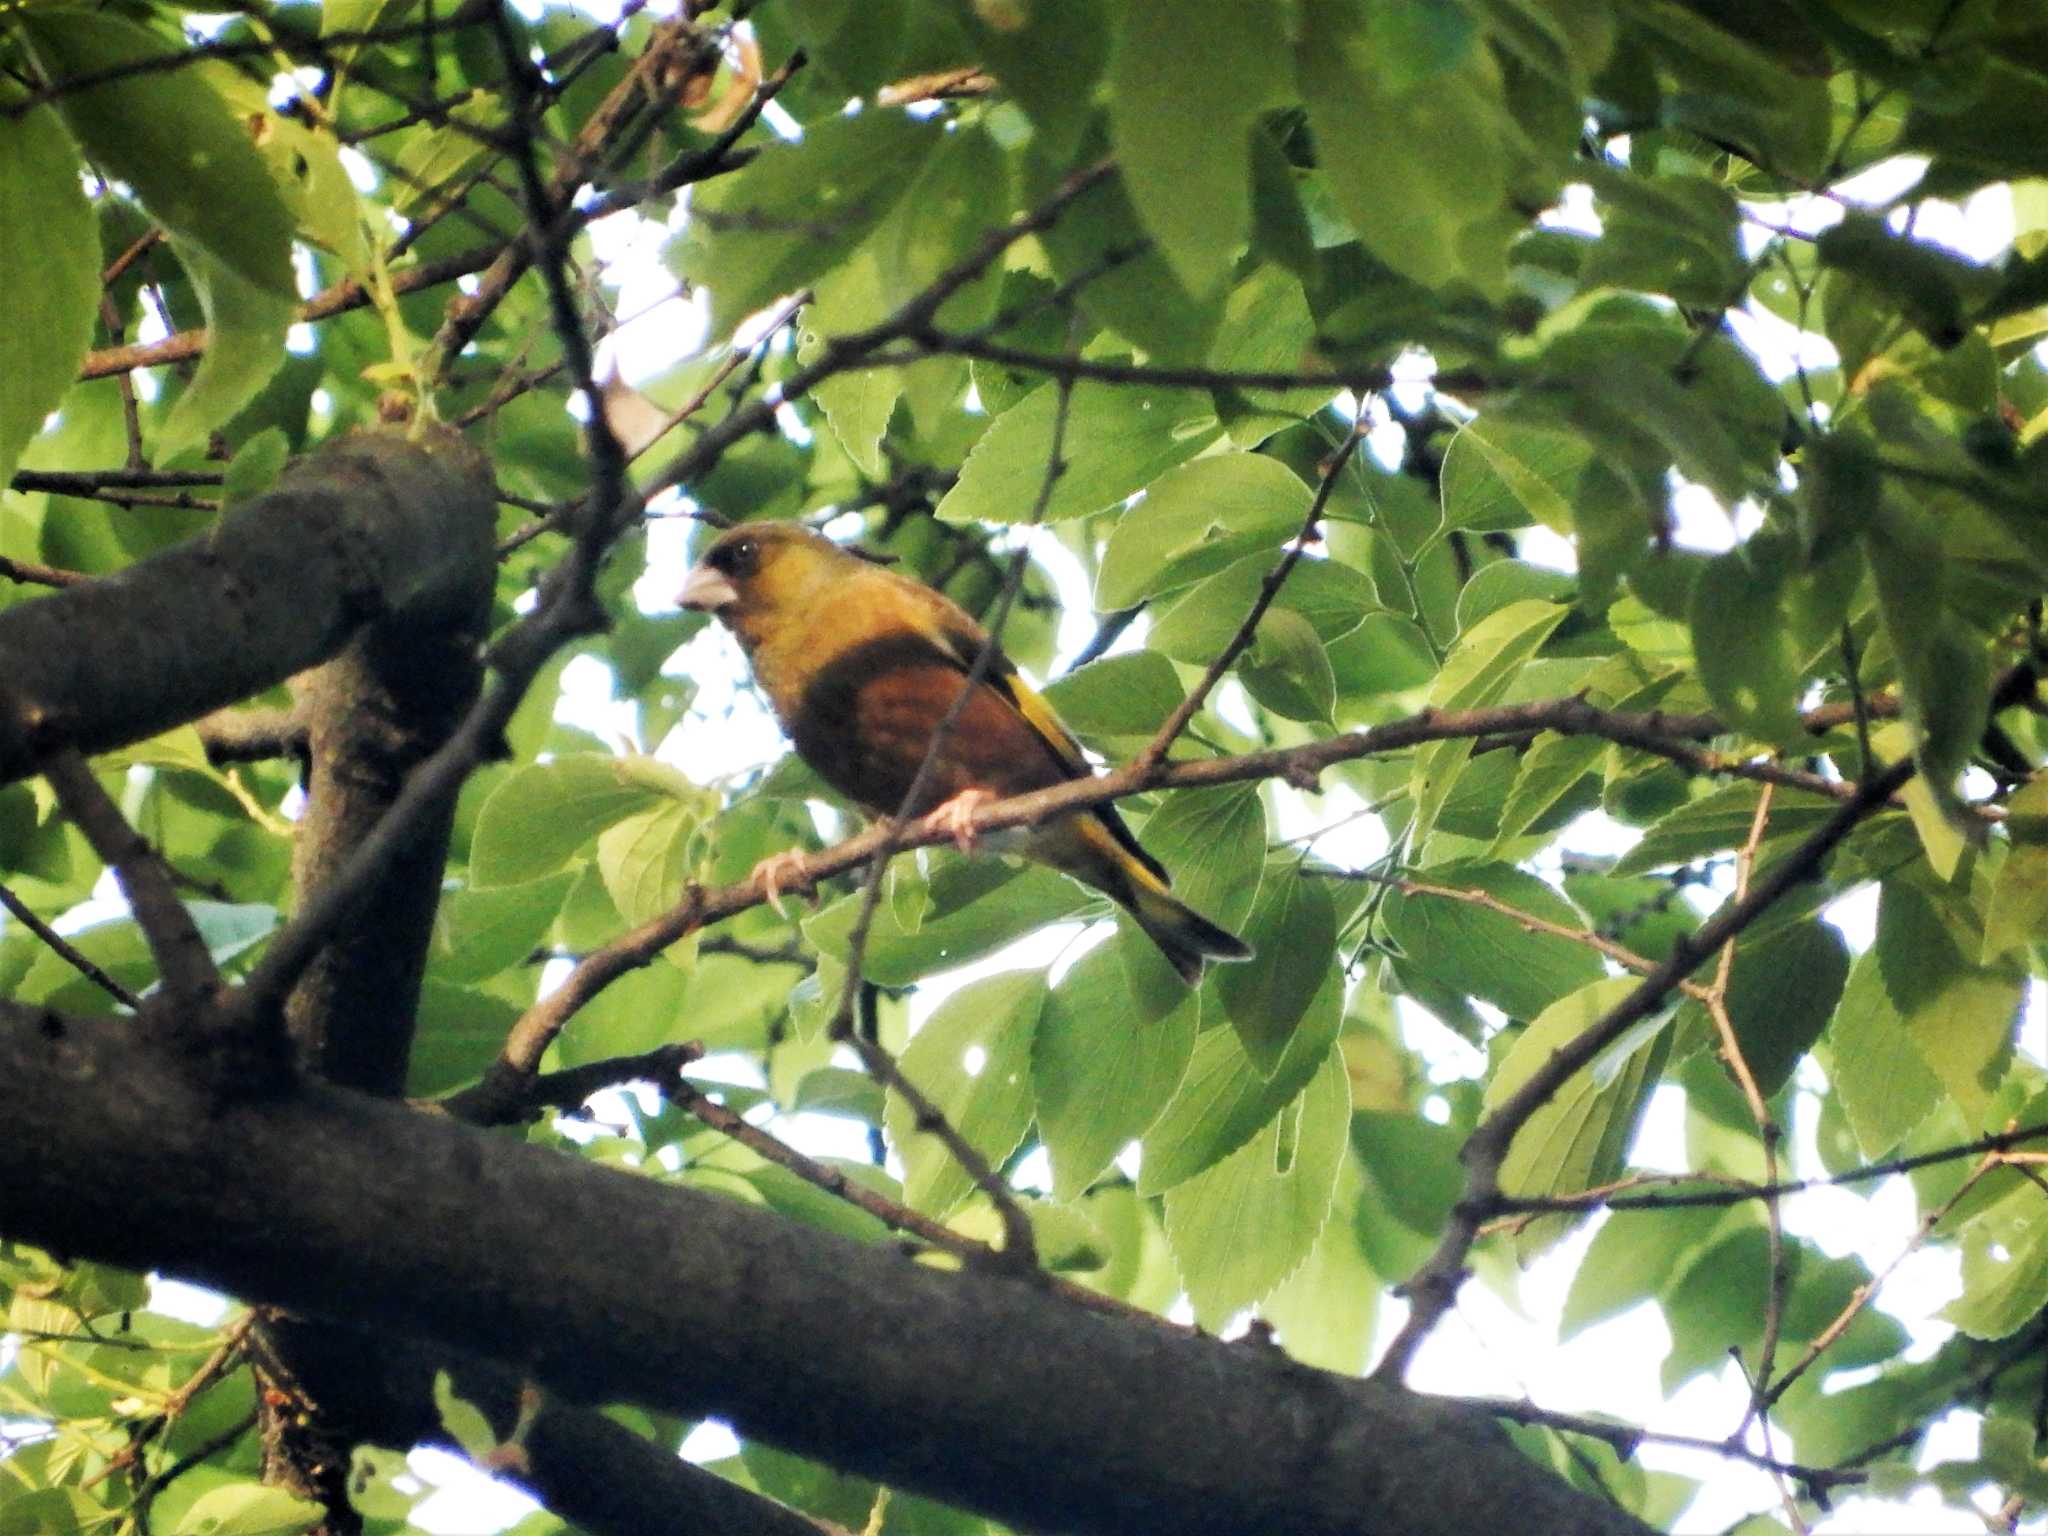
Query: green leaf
[[1129, 288], [1944, 671], [195, 169], [1293, 933], [1879, 1076], [857, 403], [963, 193], [2018, 913], [1324, 1312], [1116, 697], [1118, 440], [541, 814], [1287, 670], [1742, 645], [1578, 1138], [480, 931], [1333, 597], [972, 1060], [1240, 1227], [1186, 83], [1500, 473], [1631, 1259], [1372, 76], [1672, 234], [1551, 768], [1194, 521], [1478, 671], [1225, 1098], [1782, 990], [796, 211], [49, 273], [250, 1509], [1474, 949], [1719, 822], [1049, 54], [457, 1032], [2005, 1267], [245, 329], [1100, 1074], [645, 859], [1006, 904], [1959, 1014], [1213, 842]]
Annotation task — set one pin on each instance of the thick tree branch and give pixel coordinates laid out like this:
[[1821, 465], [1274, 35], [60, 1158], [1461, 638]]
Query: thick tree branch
[[353, 533], [972, 1388]]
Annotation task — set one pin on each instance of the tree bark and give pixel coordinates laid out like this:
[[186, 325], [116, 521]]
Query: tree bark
[[598, 1285], [366, 528]]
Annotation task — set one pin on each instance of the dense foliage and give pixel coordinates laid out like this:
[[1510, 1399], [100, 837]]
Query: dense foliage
[[1584, 465]]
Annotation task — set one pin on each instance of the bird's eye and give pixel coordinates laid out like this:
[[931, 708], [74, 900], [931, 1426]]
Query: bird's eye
[[741, 558]]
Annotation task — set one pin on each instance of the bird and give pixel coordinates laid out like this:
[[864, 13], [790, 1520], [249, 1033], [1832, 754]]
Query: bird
[[861, 665]]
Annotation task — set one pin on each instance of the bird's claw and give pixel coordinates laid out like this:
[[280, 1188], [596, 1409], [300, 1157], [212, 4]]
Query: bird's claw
[[956, 816], [789, 868]]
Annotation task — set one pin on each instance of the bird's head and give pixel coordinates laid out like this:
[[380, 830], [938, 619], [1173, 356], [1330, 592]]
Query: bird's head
[[757, 568]]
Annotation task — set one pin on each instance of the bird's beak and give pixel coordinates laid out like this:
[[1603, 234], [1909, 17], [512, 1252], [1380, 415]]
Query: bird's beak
[[706, 590]]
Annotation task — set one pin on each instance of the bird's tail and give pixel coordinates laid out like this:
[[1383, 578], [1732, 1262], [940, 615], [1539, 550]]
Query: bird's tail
[[1187, 938], [1097, 851]]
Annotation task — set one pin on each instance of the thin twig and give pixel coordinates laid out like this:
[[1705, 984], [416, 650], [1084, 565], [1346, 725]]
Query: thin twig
[[1156, 749], [182, 958], [66, 950]]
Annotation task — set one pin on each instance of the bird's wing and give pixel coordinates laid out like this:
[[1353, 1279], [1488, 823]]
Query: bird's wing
[[961, 639]]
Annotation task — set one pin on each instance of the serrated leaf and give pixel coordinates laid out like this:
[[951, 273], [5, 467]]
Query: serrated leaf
[[250, 1509], [1117, 441], [1879, 1076], [645, 859], [1019, 901], [1213, 842], [1719, 822], [1473, 949], [1578, 1138], [972, 1060], [1743, 647], [2018, 911], [857, 403], [796, 211], [1100, 1074], [1181, 117], [1436, 213], [541, 814], [49, 274], [1239, 1228], [1293, 933], [1197, 519], [1287, 670], [1324, 1312], [1959, 1014], [1333, 597], [1476, 673], [1224, 1098], [245, 330], [195, 170], [480, 931], [1500, 474]]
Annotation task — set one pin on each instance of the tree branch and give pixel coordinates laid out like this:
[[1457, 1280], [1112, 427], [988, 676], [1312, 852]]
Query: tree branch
[[965, 1386]]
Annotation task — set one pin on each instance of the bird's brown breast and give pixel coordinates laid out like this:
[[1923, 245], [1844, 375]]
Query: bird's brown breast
[[865, 721]]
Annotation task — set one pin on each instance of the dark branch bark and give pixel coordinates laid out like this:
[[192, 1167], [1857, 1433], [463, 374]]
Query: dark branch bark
[[599, 1285], [356, 532]]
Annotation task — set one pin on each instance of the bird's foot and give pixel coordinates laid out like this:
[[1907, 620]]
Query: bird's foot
[[956, 816], [788, 868]]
